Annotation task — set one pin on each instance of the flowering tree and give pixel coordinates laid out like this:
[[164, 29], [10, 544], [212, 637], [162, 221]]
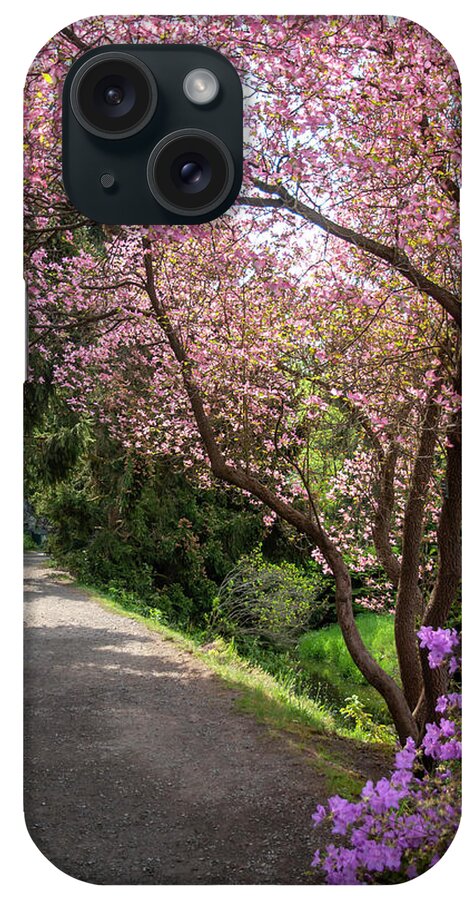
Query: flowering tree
[[305, 347]]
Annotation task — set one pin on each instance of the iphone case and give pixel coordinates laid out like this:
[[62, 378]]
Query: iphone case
[[242, 478]]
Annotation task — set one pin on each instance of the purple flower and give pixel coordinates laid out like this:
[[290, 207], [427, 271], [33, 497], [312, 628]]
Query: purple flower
[[454, 700], [402, 779], [450, 750], [372, 853], [392, 857], [447, 727], [344, 813], [316, 859], [453, 665], [441, 704], [440, 642], [381, 797], [406, 757], [319, 815], [431, 739], [341, 865], [435, 742], [360, 834]]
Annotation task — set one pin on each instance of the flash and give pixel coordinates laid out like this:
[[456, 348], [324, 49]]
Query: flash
[[201, 86]]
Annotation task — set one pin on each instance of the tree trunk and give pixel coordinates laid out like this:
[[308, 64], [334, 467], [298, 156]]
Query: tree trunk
[[383, 517], [448, 578], [409, 595], [375, 675]]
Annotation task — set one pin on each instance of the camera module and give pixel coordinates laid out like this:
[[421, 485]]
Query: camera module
[[152, 134], [113, 95], [190, 172]]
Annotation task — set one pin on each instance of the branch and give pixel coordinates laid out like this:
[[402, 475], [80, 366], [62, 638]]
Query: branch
[[262, 202], [73, 38], [395, 257]]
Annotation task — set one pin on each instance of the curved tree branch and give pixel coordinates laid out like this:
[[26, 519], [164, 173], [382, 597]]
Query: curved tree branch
[[395, 257]]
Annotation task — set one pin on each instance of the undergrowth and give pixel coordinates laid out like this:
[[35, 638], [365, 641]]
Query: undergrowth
[[269, 686]]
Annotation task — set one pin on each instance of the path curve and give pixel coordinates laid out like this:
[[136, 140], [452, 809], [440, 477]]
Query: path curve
[[138, 768]]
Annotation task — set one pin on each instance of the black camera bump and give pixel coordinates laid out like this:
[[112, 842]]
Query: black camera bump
[[152, 134]]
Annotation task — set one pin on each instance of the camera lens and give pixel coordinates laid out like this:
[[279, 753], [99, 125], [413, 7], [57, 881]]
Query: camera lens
[[201, 86], [190, 172], [113, 95]]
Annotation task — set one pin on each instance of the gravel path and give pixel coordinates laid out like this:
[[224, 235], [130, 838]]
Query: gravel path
[[138, 768]]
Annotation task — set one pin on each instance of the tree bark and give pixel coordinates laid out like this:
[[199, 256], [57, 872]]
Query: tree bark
[[448, 579], [383, 516], [409, 596]]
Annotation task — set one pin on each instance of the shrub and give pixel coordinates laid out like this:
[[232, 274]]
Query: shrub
[[29, 543], [145, 527], [355, 711], [108, 561], [176, 607], [273, 601]]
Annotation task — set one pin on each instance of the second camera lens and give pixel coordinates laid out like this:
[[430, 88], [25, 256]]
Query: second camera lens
[[190, 172]]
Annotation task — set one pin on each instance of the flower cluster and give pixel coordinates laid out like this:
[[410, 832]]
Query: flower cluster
[[441, 643], [403, 824]]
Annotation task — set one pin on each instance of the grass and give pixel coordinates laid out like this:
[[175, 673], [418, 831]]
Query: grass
[[340, 779], [326, 646], [325, 658]]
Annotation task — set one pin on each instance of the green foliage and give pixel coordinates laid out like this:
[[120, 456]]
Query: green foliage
[[29, 543], [273, 601], [326, 648], [355, 711], [331, 672], [73, 517], [134, 525], [279, 662]]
